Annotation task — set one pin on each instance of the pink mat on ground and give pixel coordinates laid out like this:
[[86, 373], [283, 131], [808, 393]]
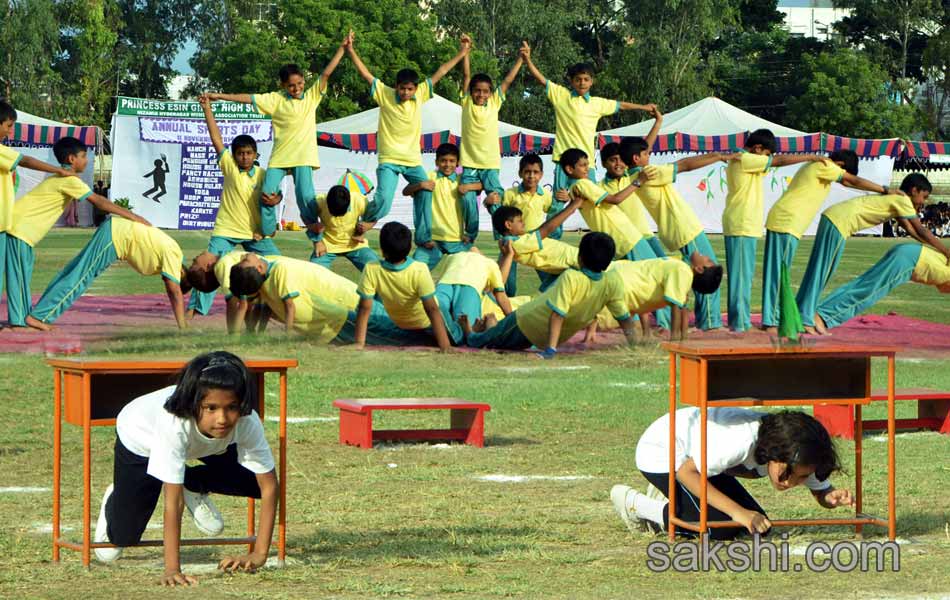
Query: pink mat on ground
[[94, 320]]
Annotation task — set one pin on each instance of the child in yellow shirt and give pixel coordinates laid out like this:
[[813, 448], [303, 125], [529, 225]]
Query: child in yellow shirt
[[293, 115], [468, 278], [340, 212]]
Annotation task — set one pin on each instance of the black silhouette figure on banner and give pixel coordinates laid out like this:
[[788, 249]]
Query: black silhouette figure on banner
[[158, 178]]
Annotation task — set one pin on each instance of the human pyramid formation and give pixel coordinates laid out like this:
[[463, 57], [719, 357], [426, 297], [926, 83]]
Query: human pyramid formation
[[617, 276]]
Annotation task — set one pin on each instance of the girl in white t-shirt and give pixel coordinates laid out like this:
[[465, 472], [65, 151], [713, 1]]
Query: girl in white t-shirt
[[790, 448], [208, 415]]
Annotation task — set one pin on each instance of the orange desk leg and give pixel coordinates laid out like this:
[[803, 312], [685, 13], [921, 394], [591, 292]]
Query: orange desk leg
[[703, 414], [671, 527], [86, 465], [57, 455], [891, 454], [282, 484], [858, 465]]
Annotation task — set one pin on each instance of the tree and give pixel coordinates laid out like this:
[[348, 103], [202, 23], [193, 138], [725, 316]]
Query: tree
[[934, 95], [87, 63], [847, 94], [29, 44]]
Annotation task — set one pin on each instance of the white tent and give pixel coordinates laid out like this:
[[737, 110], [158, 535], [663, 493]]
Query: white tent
[[709, 116]]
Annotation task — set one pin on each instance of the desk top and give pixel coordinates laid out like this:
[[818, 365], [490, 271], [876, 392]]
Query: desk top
[[734, 348], [162, 364], [364, 404]]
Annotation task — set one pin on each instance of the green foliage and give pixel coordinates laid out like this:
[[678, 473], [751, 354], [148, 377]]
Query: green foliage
[[847, 94], [28, 46], [124, 203], [934, 97]]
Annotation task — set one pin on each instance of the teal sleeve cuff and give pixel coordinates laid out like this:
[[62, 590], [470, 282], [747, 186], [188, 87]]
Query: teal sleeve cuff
[[496, 290], [290, 295], [617, 109], [17, 161], [674, 302], [85, 196], [601, 199], [365, 296], [427, 296], [768, 165], [372, 88], [624, 317], [170, 278], [555, 309], [676, 170], [254, 103], [537, 232]]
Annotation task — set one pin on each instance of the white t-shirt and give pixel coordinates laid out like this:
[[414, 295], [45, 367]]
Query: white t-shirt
[[147, 429], [731, 434]]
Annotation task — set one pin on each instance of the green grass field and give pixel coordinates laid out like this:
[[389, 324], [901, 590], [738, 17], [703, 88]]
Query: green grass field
[[416, 520]]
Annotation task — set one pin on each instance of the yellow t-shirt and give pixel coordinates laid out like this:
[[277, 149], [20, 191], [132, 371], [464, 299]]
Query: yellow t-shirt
[[474, 270], [447, 224], [548, 255], [338, 231], [148, 250], [534, 207], [401, 288], [575, 118], [632, 207], [489, 306], [222, 268], [852, 216], [400, 124], [653, 284], [480, 132], [932, 269], [9, 159], [35, 213], [577, 298], [745, 206], [239, 215], [322, 299], [295, 126], [676, 223], [606, 218], [805, 194]]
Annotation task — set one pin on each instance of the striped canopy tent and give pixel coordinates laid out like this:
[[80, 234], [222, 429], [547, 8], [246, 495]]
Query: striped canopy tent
[[441, 123], [915, 149], [34, 130]]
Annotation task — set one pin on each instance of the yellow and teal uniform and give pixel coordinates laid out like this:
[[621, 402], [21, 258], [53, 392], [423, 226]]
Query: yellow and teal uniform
[[481, 155], [607, 218], [787, 221], [466, 276], [401, 288], [33, 216], [902, 263], [338, 234], [400, 127], [238, 219], [148, 250], [837, 224], [490, 305], [534, 206], [650, 285], [578, 295], [222, 268], [632, 207], [548, 257], [295, 148], [679, 228], [742, 226], [321, 298], [447, 218], [9, 159]]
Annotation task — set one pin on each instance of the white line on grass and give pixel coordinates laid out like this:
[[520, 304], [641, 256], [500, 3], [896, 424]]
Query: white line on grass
[[909, 434], [533, 369], [209, 568], [643, 385], [406, 446], [305, 419], [23, 490], [525, 478]]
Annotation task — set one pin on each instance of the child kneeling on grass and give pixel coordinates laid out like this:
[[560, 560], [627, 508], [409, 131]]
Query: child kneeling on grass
[[208, 415], [790, 448]]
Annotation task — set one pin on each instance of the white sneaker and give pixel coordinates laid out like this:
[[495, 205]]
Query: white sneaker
[[102, 532], [624, 499], [654, 493], [207, 517]]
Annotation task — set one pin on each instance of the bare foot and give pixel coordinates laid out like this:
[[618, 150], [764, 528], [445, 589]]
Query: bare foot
[[190, 314], [820, 325], [770, 329], [37, 324], [810, 330], [464, 324], [490, 321]]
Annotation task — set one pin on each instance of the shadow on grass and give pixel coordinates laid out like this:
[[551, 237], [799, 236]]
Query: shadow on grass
[[500, 440]]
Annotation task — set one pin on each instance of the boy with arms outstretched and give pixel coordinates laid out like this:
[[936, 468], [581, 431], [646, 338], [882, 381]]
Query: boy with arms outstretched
[[293, 116], [677, 225], [238, 222], [35, 214], [576, 114], [400, 126]]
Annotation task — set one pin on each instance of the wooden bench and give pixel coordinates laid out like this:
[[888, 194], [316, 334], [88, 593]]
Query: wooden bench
[[467, 420], [933, 413]]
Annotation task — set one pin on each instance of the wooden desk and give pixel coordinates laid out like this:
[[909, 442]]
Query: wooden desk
[[719, 373], [96, 390]]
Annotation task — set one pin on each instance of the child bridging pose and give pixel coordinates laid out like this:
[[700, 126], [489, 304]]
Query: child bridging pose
[[208, 415], [790, 448]]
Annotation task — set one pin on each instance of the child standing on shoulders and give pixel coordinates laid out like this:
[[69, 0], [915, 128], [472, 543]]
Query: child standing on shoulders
[[340, 211], [208, 415], [844, 219], [530, 198], [742, 218], [400, 127], [35, 214], [293, 115], [238, 222], [789, 448], [480, 153], [576, 114], [677, 225], [793, 213], [447, 208]]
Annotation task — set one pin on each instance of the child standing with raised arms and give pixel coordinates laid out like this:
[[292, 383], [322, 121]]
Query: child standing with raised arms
[[208, 415]]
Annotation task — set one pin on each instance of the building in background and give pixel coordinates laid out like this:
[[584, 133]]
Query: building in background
[[811, 18]]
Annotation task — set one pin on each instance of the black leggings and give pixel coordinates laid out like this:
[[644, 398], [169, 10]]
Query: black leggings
[[687, 505], [136, 493]]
